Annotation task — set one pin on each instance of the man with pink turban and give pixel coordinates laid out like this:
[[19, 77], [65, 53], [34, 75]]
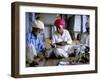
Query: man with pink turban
[[61, 39]]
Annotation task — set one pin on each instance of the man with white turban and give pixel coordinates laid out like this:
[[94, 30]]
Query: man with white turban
[[34, 43]]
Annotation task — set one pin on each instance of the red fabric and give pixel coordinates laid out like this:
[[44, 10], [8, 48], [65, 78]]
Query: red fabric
[[59, 22]]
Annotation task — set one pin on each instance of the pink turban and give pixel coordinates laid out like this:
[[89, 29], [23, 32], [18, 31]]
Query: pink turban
[[59, 22]]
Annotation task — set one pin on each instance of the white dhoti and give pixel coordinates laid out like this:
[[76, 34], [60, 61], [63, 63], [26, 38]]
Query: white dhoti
[[62, 51], [30, 53]]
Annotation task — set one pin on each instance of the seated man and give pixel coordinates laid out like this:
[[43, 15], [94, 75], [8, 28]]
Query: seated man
[[85, 40], [34, 44], [85, 37], [61, 39]]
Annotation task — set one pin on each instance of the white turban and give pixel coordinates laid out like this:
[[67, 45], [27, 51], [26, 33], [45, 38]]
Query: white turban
[[38, 24]]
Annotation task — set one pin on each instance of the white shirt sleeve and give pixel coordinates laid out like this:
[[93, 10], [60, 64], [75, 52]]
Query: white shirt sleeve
[[53, 39], [68, 37]]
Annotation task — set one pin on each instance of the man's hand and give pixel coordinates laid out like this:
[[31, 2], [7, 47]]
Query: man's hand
[[61, 43], [53, 45]]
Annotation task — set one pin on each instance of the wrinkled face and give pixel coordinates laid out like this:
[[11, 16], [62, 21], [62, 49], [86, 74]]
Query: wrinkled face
[[36, 30], [60, 29]]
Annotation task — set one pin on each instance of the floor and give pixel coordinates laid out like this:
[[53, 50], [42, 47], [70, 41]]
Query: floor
[[61, 61]]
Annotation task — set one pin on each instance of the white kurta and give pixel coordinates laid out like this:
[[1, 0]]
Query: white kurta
[[85, 39], [65, 37]]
